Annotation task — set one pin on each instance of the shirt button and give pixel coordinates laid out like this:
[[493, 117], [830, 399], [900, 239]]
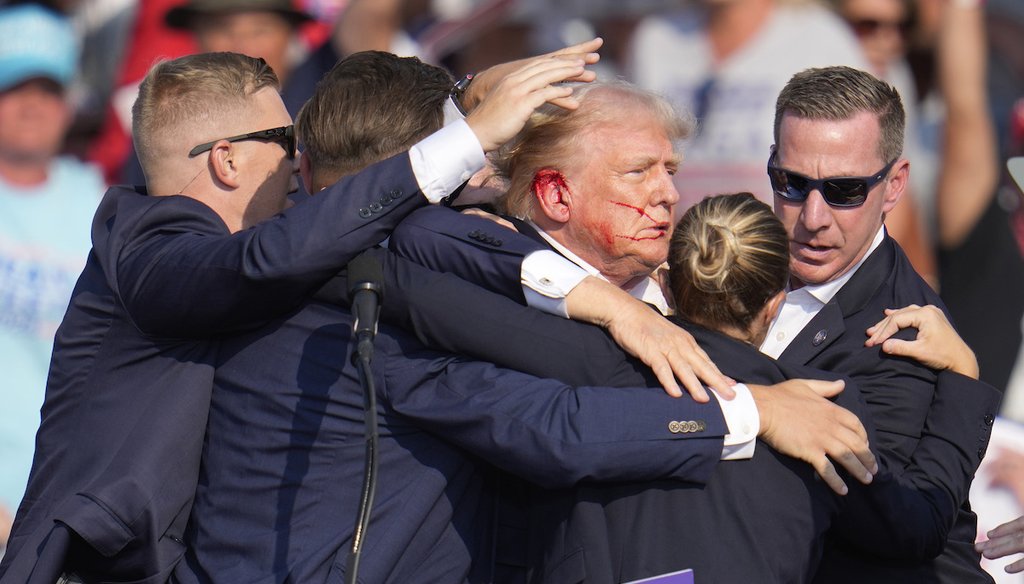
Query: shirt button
[[545, 281], [780, 336]]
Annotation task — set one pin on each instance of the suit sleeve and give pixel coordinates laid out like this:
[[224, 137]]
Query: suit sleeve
[[180, 274], [473, 248], [908, 510], [450, 314], [549, 433]]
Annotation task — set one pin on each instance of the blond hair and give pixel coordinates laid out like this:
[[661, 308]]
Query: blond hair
[[182, 95], [553, 136], [728, 257]]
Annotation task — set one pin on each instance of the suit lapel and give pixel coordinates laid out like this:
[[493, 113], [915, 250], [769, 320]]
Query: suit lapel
[[863, 286], [823, 330]]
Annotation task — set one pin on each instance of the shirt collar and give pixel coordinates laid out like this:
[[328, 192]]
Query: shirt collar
[[566, 252], [647, 289]]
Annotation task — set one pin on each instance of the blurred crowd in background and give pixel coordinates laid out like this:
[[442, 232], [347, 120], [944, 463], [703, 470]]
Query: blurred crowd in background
[[69, 70]]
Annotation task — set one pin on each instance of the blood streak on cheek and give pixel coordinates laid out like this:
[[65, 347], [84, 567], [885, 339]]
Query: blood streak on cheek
[[642, 213], [638, 210], [632, 238]]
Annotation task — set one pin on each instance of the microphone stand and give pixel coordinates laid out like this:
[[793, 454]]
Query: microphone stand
[[365, 281], [369, 489]]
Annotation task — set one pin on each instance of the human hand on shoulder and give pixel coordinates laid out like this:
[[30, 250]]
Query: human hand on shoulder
[[671, 352], [937, 344], [799, 421]]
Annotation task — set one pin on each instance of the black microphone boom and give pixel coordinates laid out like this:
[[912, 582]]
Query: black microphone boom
[[366, 289]]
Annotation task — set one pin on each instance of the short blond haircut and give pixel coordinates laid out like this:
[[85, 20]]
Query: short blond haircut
[[184, 94], [553, 136]]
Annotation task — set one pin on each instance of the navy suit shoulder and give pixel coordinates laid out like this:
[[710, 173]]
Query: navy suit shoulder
[[130, 389], [912, 424], [475, 248], [164, 252], [436, 306]]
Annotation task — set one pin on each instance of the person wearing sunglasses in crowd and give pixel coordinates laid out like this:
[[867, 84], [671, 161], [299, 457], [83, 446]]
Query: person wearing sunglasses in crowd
[[205, 248]]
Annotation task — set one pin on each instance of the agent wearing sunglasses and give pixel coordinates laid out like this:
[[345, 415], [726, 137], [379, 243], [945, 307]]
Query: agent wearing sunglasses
[[176, 265], [837, 170]]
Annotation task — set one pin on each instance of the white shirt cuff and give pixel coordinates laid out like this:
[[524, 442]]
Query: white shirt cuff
[[743, 421], [445, 159], [547, 278]]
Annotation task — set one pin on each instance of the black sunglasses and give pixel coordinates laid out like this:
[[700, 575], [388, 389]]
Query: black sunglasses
[[840, 191], [285, 136]]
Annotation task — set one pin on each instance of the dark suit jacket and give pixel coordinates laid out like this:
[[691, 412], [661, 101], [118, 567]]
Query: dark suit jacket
[[759, 520], [913, 409], [282, 467], [909, 510], [771, 506], [117, 452]]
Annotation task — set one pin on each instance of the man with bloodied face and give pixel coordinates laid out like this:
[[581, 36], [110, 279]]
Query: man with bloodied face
[[604, 197], [596, 186]]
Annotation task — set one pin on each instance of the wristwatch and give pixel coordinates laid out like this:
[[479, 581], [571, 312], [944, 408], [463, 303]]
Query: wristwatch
[[458, 90]]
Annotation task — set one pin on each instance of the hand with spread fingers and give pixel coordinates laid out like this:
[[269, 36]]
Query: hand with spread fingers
[[799, 421], [484, 82], [937, 344], [506, 108]]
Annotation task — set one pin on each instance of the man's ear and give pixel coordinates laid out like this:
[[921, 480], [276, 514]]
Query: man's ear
[[552, 194], [306, 172], [896, 184], [225, 164]]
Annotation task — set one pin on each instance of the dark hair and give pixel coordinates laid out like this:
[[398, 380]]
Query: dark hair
[[839, 93], [370, 106], [729, 255]]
